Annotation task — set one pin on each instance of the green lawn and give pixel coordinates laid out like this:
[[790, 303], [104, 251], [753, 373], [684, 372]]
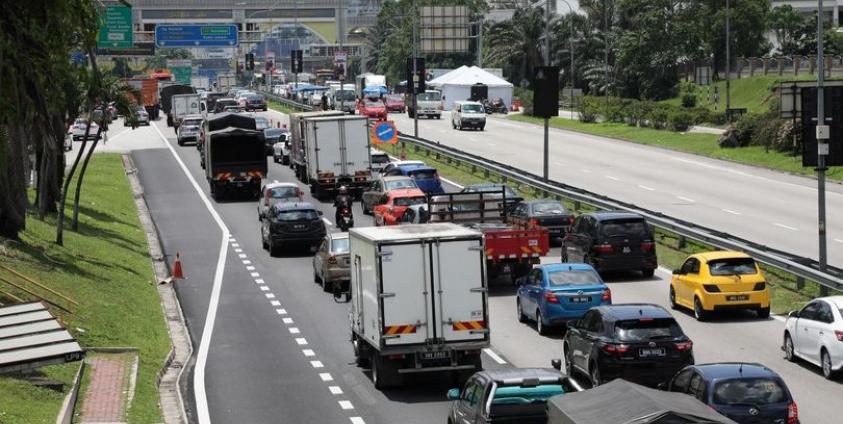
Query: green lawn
[[106, 268], [753, 93], [696, 143]]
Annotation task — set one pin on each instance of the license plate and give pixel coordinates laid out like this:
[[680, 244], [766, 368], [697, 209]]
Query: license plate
[[737, 298], [626, 249], [651, 352], [445, 354], [580, 299], [298, 226]]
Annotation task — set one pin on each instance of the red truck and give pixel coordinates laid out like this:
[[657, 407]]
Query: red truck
[[145, 91], [509, 250]]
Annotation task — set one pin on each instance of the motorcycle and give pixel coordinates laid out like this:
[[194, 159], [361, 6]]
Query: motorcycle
[[495, 105], [346, 220]]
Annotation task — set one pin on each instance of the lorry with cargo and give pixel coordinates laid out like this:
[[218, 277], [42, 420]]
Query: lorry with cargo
[[369, 80], [225, 83], [298, 137], [183, 105], [145, 93], [336, 153], [167, 92], [200, 81], [429, 104], [234, 156], [419, 300]]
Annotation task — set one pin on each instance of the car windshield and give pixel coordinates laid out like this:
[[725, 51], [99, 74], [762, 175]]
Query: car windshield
[[284, 192], [472, 108], [392, 185], [407, 201], [549, 208], [297, 215], [339, 245], [423, 174], [374, 104], [429, 96], [576, 277], [272, 132], [193, 122], [732, 266], [749, 391], [646, 329], [261, 123], [379, 159], [624, 227]]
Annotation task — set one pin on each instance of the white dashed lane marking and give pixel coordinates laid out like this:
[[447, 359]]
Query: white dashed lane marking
[[294, 330], [731, 211], [281, 311], [613, 178], [326, 377], [839, 240], [335, 390], [327, 222], [259, 281], [686, 199], [357, 420], [308, 352], [287, 320], [301, 341], [786, 227], [344, 404], [643, 187], [270, 296], [317, 364], [492, 354], [264, 288], [275, 303]]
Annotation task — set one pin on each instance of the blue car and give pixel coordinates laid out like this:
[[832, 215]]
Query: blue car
[[746, 393], [426, 177], [553, 294]]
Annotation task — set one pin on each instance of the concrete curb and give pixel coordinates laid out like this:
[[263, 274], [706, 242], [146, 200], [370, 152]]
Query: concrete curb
[[69, 405], [170, 397]]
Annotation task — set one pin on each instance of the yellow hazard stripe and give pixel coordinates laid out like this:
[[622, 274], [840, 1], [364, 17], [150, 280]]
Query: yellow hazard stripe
[[468, 325]]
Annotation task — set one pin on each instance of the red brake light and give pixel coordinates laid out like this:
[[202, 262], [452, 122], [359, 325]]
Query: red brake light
[[533, 223], [332, 260], [647, 246], [571, 220], [839, 335], [550, 297], [603, 248], [684, 346], [792, 413], [607, 295], [613, 348]]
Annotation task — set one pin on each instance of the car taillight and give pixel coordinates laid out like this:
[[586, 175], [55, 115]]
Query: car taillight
[[839, 335], [647, 246], [332, 260], [533, 223], [615, 348], [607, 295], [684, 346], [792, 413], [550, 297], [571, 220], [603, 248], [760, 286], [711, 288]]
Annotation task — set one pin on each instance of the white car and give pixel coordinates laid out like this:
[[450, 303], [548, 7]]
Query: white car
[[78, 130], [281, 149], [468, 115], [189, 129], [273, 193], [379, 160], [815, 334]]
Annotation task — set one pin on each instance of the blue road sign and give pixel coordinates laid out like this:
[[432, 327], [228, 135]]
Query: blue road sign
[[384, 133], [195, 36]]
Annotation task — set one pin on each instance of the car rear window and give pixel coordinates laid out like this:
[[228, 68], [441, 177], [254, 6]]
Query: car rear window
[[195, 122], [647, 329], [549, 208], [284, 192], [749, 391], [298, 215], [423, 175], [434, 96], [732, 266], [392, 185], [516, 403], [624, 227], [573, 277], [407, 201], [339, 245], [384, 158]]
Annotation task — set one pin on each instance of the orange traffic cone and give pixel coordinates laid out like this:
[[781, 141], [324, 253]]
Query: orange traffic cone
[[178, 274]]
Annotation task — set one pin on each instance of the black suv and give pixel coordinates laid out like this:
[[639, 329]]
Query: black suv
[[292, 223], [612, 241], [639, 342]]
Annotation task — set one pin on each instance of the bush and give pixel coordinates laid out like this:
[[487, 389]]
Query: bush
[[680, 120], [689, 100], [745, 128], [658, 115], [589, 109]]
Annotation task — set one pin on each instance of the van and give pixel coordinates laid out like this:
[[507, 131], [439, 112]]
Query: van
[[379, 160], [467, 114]]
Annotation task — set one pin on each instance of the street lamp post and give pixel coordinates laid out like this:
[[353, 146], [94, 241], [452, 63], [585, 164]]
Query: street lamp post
[[822, 145], [548, 63], [728, 61]]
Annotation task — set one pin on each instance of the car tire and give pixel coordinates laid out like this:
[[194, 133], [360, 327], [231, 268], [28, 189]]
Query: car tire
[[327, 286], [361, 355], [699, 312], [789, 353], [763, 313], [594, 375], [540, 327], [648, 272], [825, 362], [564, 257], [569, 363], [519, 311], [672, 299]]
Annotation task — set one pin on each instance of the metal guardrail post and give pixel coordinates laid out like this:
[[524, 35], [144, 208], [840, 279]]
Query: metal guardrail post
[[800, 283]]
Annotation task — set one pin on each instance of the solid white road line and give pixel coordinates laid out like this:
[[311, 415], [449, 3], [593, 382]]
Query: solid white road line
[[200, 396], [731, 211], [613, 178], [687, 199], [492, 354], [786, 227], [453, 183]]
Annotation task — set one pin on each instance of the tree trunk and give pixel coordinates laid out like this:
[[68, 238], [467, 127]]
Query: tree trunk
[[13, 199], [68, 179], [74, 224]]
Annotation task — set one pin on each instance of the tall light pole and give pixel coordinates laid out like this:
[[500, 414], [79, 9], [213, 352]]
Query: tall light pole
[[728, 60], [413, 83], [822, 145]]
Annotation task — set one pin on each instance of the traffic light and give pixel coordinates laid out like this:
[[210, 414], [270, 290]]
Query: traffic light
[[250, 61], [416, 82], [546, 91], [296, 61]]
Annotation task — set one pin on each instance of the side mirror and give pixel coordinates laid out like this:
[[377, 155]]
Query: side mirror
[[453, 394], [571, 324], [662, 386], [556, 363], [793, 314], [677, 272]]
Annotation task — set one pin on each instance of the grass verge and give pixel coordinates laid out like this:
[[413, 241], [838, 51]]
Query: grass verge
[[696, 143], [105, 267], [753, 93], [281, 107], [786, 296]]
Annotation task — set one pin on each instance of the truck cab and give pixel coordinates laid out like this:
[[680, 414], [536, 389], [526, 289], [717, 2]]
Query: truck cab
[[429, 104]]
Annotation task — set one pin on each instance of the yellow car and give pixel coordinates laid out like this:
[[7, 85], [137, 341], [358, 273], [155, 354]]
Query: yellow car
[[715, 281]]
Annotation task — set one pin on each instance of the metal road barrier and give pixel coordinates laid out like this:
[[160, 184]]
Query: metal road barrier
[[285, 101], [802, 267]]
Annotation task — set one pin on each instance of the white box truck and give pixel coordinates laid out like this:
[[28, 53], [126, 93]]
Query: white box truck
[[419, 300], [183, 105], [336, 153]]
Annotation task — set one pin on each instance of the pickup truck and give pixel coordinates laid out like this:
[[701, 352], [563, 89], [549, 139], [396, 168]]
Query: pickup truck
[[508, 395]]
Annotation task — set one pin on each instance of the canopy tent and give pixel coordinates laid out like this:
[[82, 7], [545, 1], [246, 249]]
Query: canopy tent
[[456, 85], [622, 402], [310, 88], [375, 90]]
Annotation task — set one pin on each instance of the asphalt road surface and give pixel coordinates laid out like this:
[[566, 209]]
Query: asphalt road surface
[[279, 350], [764, 206]]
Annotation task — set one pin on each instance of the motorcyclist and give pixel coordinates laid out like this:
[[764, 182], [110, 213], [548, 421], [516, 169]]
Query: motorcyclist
[[342, 201]]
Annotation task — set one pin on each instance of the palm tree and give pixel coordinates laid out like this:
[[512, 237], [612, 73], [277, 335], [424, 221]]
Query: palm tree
[[516, 44]]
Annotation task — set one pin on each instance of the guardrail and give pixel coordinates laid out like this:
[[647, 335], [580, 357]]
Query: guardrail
[[802, 267], [285, 101]]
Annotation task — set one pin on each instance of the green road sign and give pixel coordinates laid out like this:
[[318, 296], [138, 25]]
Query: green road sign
[[182, 74], [115, 28]]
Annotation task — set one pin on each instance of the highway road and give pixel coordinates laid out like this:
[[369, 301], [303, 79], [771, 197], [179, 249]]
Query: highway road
[[279, 351], [768, 207]]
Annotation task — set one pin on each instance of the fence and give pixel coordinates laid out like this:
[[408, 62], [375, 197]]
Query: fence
[[775, 66]]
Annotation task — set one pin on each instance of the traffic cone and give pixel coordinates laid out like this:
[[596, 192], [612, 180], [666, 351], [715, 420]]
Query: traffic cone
[[178, 274]]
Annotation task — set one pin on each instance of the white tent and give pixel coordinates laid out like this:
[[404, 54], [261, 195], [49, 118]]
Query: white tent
[[456, 85]]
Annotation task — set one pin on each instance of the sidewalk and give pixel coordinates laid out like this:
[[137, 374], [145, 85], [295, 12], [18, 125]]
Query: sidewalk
[[111, 381]]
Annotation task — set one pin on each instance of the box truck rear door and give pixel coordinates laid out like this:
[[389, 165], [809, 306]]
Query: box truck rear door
[[405, 293], [461, 312]]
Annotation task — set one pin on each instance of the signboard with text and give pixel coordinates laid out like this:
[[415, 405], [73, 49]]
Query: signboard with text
[[115, 27], [196, 35]]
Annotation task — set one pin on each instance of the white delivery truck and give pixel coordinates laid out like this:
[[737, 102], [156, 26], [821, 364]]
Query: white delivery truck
[[183, 105], [419, 300], [336, 154], [202, 82], [225, 82]]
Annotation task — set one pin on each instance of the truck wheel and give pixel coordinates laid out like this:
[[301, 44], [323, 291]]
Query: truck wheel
[[361, 353], [384, 373]]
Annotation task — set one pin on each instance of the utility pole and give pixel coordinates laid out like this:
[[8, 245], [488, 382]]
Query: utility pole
[[606, 47], [480, 43], [298, 45], [345, 64], [415, 75], [822, 145], [728, 61], [545, 164]]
